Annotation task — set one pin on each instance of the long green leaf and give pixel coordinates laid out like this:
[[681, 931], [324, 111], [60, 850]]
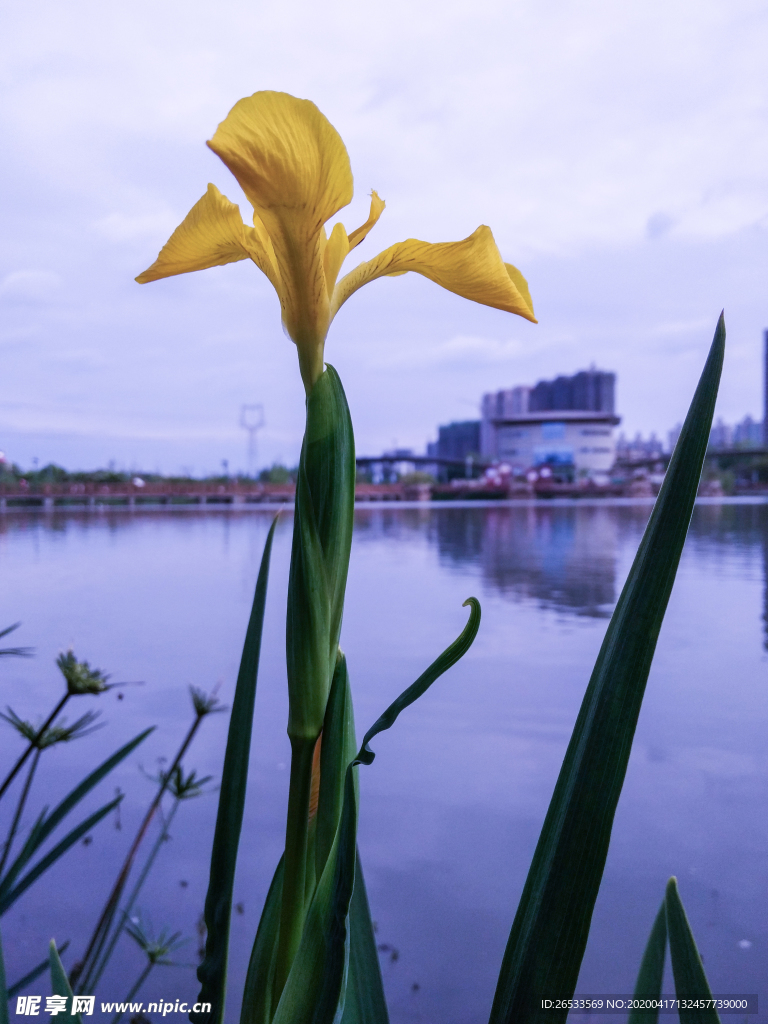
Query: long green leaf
[[337, 750], [687, 968], [50, 858], [4, 996], [257, 1005], [322, 539], [550, 930], [365, 1002], [212, 972], [60, 986], [651, 975], [34, 974], [48, 822], [316, 987]]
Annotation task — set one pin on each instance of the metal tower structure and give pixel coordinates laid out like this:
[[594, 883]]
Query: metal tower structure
[[252, 420]]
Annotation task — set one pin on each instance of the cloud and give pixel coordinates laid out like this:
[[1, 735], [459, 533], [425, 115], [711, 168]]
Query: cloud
[[30, 287], [121, 227]]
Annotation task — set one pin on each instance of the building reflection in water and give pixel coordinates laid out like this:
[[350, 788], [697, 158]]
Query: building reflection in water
[[563, 557]]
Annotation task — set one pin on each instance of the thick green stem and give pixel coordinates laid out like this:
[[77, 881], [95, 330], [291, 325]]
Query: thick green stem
[[294, 879]]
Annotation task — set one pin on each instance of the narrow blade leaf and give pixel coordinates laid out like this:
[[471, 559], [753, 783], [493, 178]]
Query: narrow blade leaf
[[365, 1002], [58, 851], [257, 995], [48, 822], [35, 973], [651, 975], [550, 930], [60, 985], [690, 979], [212, 972]]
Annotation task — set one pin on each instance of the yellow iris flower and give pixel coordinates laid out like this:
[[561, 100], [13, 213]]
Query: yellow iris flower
[[292, 165]]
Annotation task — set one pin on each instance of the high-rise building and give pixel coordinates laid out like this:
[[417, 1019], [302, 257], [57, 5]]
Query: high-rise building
[[457, 440], [568, 421]]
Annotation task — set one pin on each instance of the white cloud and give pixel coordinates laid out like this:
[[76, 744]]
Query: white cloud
[[619, 152], [29, 287]]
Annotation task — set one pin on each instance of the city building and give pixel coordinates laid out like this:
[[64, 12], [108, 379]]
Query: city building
[[567, 423], [456, 440]]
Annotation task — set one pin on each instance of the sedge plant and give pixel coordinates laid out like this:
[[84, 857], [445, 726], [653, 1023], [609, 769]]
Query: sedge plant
[[314, 957]]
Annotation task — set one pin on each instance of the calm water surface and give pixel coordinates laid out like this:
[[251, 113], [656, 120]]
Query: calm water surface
[[452, 807]]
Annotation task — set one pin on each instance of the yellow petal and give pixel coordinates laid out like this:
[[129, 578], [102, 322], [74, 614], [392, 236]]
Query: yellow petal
[[334, 255], [291, 163], [521, 284], [211, 235], [377, 208], [286, 156], [472, 268]]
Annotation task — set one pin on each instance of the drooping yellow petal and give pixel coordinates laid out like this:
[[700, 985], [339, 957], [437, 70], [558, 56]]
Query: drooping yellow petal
[[377, 208], [291, 163], [211, 235], [521, 284], [334, 255], [472, 268]]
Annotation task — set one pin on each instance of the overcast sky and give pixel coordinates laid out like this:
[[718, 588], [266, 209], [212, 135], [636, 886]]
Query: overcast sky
[[618, 151]]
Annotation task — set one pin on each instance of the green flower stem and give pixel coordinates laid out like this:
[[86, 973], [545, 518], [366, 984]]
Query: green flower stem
[[19, 809], [32, 745], [294, 880]]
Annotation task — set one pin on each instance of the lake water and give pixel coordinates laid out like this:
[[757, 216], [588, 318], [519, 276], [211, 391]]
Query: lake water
[[452, 807]]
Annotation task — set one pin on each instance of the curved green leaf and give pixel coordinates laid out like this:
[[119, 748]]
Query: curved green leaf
[[550, 930], [449, 657], [212, 972]]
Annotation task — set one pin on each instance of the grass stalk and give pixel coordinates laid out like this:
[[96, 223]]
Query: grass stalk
[[126, 910], [83, 972], [135, 988], [19, 810]]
